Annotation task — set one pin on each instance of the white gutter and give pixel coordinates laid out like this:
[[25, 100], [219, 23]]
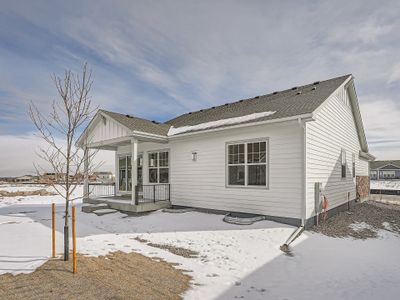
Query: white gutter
[[292, 118]]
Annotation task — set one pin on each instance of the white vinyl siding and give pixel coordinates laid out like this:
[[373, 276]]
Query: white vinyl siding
[[333, 131], [202, 183]]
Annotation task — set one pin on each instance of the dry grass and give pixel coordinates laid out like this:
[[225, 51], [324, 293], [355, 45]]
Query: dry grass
[[116, 276], [371, 213], [173, 249], [41, 192]]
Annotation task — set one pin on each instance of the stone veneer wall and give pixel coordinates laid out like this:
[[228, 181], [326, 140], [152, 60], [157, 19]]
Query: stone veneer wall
[[363, 186]]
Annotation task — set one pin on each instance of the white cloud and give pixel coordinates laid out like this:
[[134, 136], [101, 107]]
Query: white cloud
[[205, 53], [381, 121], [19, 154]]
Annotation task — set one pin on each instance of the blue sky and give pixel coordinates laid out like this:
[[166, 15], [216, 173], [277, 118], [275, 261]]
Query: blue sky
[[160, 59]]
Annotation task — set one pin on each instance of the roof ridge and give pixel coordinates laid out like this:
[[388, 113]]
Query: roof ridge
[[132, 116], [275, 93]]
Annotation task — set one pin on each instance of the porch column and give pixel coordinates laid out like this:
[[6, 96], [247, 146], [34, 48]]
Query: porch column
[[86, 173], [116, 169], [134, 158]]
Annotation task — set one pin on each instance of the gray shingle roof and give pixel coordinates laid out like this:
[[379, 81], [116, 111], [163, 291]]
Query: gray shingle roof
[[292, 102], [288, 103], [381, 163], [139, 124]]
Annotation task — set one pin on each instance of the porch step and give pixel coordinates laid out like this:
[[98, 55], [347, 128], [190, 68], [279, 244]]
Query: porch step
[[88, 208], [106, 211]]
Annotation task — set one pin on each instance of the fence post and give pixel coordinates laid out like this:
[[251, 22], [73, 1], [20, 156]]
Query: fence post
[[169, 192], [53, 227], [74, 239], [154, 193]]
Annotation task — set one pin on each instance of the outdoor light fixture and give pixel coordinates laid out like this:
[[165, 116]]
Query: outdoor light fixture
[[194, 155]]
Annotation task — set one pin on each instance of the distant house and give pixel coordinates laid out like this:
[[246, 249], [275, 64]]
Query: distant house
[[104, 177], [269, 155], [26, 179], [385, 170]]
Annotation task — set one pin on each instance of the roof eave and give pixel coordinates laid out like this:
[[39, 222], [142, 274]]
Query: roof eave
[[306, 117]]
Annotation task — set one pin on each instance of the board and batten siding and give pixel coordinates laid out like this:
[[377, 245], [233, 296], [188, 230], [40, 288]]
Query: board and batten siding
[[106, 129], [333, 130], [202, 183]]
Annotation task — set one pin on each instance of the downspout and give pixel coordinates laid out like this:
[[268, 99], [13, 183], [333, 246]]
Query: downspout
[[300, 229], [304, 198]]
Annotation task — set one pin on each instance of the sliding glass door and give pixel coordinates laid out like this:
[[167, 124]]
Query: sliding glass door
[[125, 172]]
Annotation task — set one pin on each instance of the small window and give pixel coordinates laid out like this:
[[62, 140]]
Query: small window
[[344, 164], [353, 161], [247, 164], [159, 167]]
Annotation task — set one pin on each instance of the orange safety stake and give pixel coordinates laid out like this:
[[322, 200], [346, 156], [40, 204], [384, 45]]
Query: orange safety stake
[[73, 239], [53, 227]]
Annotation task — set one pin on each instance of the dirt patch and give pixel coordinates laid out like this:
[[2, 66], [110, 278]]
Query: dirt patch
[[173, 249], [116, 276], [41, 192], [362, 221]]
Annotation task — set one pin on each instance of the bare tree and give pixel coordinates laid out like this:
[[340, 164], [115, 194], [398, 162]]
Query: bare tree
[[60, 130]]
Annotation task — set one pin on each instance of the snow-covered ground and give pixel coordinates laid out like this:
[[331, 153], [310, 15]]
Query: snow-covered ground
[[385, 184], [235, 261]]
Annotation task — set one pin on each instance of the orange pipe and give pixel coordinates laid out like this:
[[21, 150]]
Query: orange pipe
[[53, 227], [74, 239]]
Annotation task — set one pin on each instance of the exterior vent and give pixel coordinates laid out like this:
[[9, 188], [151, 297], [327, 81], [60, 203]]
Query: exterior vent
[[128, 116], [189, 113], [314, 88], [226, 104], [315, 83], [294, 88], [298, 93], [213, 107], [155, 122], [201, 110], [240, 101], [274, 93], [256, 97]]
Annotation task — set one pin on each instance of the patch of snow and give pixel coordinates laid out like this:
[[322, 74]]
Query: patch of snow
[[385, 184], [223, 122], [360, 226], [234, 261], [21, 200]]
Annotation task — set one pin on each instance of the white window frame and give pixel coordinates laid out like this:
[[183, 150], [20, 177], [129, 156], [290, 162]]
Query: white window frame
[[246, 164], [126, 155], [343, 153], [158, 166]]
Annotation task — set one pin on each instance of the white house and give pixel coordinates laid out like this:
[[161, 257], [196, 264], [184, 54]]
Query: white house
[[270, 155], [385, 170]]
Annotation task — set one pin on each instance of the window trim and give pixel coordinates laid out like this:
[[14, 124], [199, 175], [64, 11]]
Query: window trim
[[267, 164], [158, 166], [126, 155], [343, 152]]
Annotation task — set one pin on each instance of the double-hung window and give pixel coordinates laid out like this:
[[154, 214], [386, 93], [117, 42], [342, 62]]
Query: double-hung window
[[247, 164], [159, 167]]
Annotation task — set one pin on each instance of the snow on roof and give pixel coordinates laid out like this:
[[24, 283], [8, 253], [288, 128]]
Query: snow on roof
[[224, 122]]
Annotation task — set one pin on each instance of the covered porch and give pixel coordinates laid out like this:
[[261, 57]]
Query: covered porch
[[141, 175], [142, 161]]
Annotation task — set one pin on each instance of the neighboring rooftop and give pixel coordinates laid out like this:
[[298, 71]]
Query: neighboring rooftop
[[295, 101], [377, 164]]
